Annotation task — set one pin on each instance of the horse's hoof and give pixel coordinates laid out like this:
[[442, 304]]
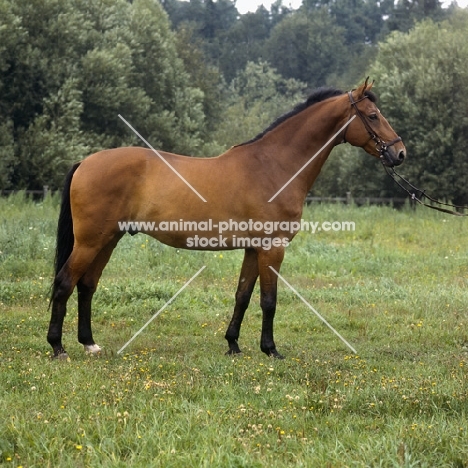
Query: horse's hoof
[[275, 355], [61, 356], [233, 353], [92, 349]]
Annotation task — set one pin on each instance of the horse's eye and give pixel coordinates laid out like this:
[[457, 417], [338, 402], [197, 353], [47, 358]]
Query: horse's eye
[[373, 117]]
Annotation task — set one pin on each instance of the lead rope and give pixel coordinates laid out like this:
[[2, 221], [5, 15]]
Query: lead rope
[[393, 174]]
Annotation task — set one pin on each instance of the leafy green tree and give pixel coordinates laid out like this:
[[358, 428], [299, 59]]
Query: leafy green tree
[[361, 20], [133, 69], [307, 47], [278, 12], [203, 75], [10, 34], [244, 42], [406, 13], [229, 40], [69, 67], [207, 17], [52, 138], [258, 96], [7, 153], [33, 77]]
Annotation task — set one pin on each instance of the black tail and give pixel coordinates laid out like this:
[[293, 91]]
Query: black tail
[[65, 237]]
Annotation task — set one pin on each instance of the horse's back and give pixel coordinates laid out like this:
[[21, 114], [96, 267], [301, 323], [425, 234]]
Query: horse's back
[[119, 163]]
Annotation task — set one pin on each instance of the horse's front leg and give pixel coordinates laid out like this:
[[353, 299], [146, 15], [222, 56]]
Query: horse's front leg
[[268, 292], [248, 277]]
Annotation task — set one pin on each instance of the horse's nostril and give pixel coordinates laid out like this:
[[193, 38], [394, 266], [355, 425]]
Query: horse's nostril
[[401, 155]]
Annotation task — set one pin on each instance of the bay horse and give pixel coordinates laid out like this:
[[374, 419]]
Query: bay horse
[[133, 184]]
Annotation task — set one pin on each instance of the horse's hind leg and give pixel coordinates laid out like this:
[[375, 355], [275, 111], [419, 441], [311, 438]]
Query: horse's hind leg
[[64, 283], [86, 288], [247, 279]]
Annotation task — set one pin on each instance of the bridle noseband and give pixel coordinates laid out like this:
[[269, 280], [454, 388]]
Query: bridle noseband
[[380, 145]]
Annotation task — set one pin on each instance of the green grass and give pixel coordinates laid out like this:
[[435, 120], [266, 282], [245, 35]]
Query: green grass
[[396, 289]]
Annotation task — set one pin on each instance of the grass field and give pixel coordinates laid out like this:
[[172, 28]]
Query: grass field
[[396, 289]]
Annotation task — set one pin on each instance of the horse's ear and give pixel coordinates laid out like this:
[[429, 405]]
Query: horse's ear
[[366, 86]]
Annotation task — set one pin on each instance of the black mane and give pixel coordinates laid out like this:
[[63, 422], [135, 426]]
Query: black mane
[[319, 95]]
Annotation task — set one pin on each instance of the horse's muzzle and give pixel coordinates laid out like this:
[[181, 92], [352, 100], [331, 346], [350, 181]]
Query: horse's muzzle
[[392, 158]]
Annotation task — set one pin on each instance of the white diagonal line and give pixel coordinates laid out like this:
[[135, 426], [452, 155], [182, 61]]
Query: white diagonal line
[[314, 311], [161, 309], [162, 159], [311, 159]]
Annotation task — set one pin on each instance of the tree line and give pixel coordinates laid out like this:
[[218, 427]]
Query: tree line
[[196, 77]]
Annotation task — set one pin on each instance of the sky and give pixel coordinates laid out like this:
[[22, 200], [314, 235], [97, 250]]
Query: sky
[[243, 6]]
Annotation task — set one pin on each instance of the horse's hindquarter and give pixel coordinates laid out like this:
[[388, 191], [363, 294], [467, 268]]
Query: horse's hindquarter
[[105, 190]]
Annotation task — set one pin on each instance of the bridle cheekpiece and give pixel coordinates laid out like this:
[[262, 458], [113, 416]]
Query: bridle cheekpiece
[[380, 145]]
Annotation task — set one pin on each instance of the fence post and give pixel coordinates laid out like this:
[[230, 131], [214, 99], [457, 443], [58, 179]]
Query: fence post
[[45, 190], [349, 198]]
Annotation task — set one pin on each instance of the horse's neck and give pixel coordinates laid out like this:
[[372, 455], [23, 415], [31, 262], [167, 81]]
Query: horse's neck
[[302, 144]]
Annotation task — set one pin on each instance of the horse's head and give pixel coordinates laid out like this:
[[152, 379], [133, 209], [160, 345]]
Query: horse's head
[[370, 129]]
